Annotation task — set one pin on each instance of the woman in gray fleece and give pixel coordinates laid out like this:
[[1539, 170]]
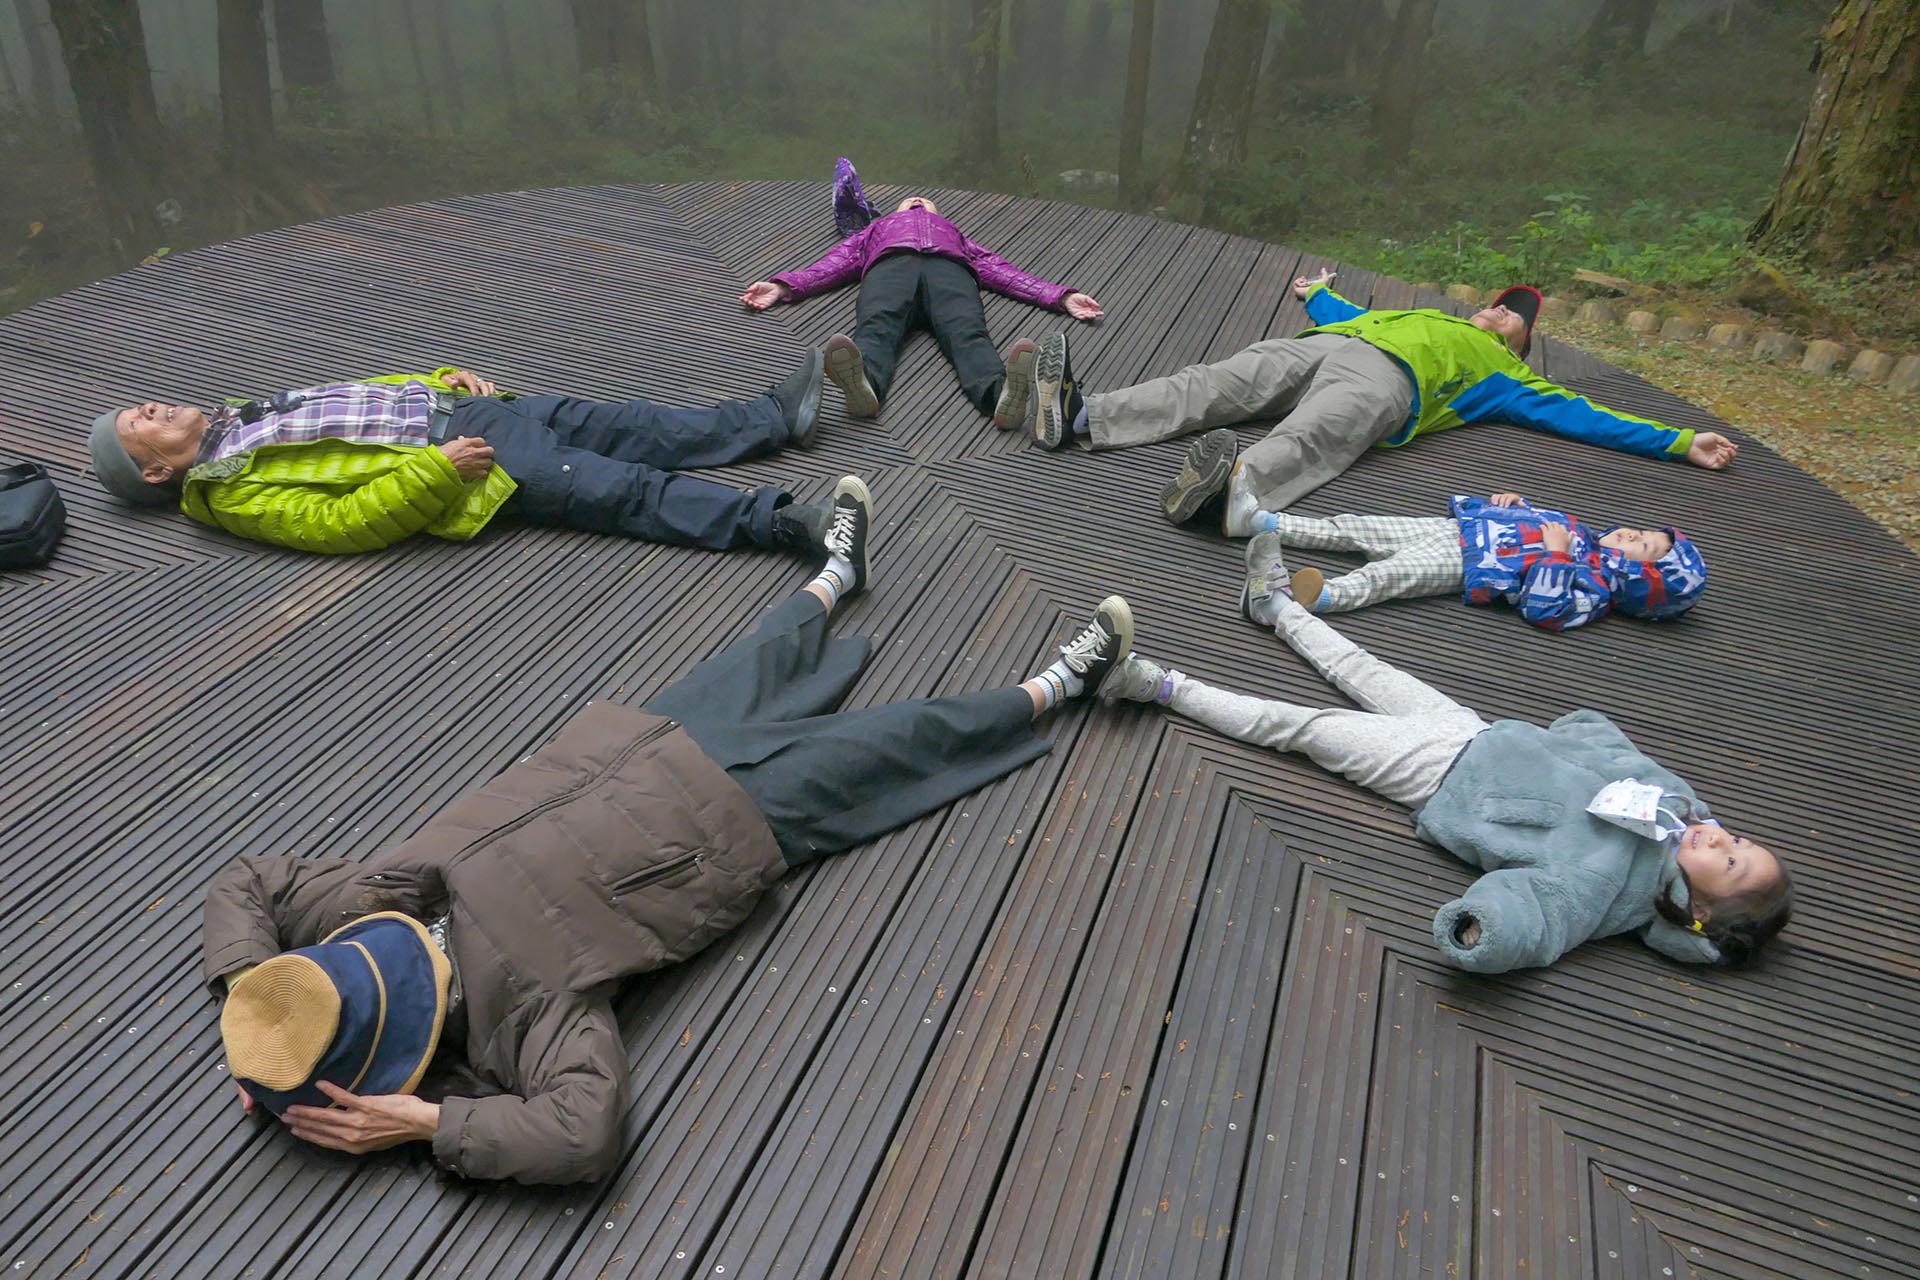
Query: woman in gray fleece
[[1579, 835]]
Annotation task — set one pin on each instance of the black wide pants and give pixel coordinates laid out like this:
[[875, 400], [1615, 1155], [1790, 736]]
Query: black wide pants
[[826, 781], [907, 291]]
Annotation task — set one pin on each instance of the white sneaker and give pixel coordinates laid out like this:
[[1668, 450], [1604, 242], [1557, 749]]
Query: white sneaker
[[1133, 680], [1241, 507]]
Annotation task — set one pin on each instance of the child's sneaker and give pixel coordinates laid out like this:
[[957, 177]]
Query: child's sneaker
[[1134, 680], [1310, 588], [1266, 581]]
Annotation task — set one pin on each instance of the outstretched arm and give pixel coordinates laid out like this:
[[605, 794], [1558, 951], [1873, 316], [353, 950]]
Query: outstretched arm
[[1324, 306], [996, 273], [1529, 400], [1520, 917], [837, 266]]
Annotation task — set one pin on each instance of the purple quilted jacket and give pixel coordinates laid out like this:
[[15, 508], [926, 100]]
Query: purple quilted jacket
[[917, 231]]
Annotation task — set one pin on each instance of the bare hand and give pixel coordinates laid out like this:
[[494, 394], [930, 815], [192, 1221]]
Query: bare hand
[[471, 383], [471, 456], [1302, 286], [1082, 306], [1712, 450], [357, 1125], [246, 1099], [1468, 934], [1507, 500], [762, 294], [1557, 538]]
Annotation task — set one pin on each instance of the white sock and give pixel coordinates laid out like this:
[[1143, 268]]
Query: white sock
[[1070, 683], [842, 566], [833, 582]]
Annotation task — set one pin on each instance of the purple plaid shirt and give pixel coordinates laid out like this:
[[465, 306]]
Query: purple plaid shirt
[[364, 412]]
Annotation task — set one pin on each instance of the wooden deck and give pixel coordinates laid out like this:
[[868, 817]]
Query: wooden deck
[[1158, 1005]]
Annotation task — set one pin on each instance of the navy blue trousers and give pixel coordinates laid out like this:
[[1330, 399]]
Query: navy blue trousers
[[763, 709], [609, 466]]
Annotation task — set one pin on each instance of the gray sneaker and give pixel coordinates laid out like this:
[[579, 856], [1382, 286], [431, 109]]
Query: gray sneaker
[[1016, 389], [1266, 578], [849, 372], [1134, 680]]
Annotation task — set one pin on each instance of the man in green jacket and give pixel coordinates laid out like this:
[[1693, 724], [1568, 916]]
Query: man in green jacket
[[1355, 380], [356, 466]]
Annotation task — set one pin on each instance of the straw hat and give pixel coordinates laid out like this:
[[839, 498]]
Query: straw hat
[[361, 1009]]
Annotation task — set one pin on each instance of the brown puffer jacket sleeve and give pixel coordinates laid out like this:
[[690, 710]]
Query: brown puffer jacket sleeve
[[565, 1124], [259, 907]]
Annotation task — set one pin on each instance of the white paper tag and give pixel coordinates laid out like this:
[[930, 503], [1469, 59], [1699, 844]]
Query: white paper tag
[[1635, 805]]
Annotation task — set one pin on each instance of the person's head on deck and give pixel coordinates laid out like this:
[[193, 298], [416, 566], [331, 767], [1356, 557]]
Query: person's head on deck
[[916, 202], [141, 453], [1738, 894], [1511, 316], [361, 1009], [1655, 574]]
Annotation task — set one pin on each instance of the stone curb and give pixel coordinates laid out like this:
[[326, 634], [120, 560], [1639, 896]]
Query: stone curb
[[1899, 374]]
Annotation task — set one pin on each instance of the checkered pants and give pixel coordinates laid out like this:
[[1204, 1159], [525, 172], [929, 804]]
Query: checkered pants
[[1406, 556]]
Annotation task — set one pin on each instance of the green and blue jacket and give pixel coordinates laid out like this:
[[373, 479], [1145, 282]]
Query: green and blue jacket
[[1462, 374]]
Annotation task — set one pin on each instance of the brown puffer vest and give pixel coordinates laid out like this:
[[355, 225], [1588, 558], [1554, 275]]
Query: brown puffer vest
[[617, 848]]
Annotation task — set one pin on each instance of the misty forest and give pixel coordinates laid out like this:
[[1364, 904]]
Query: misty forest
[[1755, 150]]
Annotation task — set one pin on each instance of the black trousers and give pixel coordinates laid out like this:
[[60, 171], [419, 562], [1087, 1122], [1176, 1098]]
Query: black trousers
[[908, 291], [609, 466], [826, 781]]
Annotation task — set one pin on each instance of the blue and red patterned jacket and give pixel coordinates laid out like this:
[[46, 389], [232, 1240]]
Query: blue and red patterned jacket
[[1504, 559]]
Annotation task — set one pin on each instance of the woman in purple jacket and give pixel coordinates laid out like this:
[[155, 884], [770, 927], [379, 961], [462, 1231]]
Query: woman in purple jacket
[[917, 270]]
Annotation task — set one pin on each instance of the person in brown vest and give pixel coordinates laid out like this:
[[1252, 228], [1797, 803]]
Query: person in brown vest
[[486, 949]]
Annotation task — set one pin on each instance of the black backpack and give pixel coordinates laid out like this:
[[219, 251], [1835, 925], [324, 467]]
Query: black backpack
[[32, 516]]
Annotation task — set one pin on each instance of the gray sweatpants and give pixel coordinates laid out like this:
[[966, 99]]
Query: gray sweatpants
[[1336, 397], [1399, 747]]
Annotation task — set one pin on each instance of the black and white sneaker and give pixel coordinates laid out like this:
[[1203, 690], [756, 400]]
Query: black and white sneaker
[[1091, 655], [1203, 475], [847, 532], [1055, 398]]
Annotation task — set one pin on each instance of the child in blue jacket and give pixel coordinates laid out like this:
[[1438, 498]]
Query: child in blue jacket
[[1578, 834], [1558, 572]]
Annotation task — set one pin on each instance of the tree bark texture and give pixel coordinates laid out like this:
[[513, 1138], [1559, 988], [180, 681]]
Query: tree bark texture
[[105, 49], [1216, 137], [1333, 44], [980, 123], [1851, 190], [1397, 100], [305, 49], [613, 36], [1133, 112], [246, 86], [1618, 31]]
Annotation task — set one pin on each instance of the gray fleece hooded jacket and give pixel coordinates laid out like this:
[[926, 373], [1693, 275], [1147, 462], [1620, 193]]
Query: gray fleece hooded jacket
[[1515, 804]]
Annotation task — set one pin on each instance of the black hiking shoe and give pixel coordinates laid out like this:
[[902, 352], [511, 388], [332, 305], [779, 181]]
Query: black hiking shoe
[[1203, 476], [1055, 397], [799, 398]]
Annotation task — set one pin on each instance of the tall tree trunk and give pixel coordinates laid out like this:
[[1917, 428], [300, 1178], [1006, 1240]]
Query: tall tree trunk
[[422, 77], [1397, 99], [305, 50], [1851, 191], [246, 86], [1618, 31], [1096, 41], [980, 123], [614, 37], [40, 57], [1334, 45], [503, 61], [1133, 112], [105, 50], [1216, 139]]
